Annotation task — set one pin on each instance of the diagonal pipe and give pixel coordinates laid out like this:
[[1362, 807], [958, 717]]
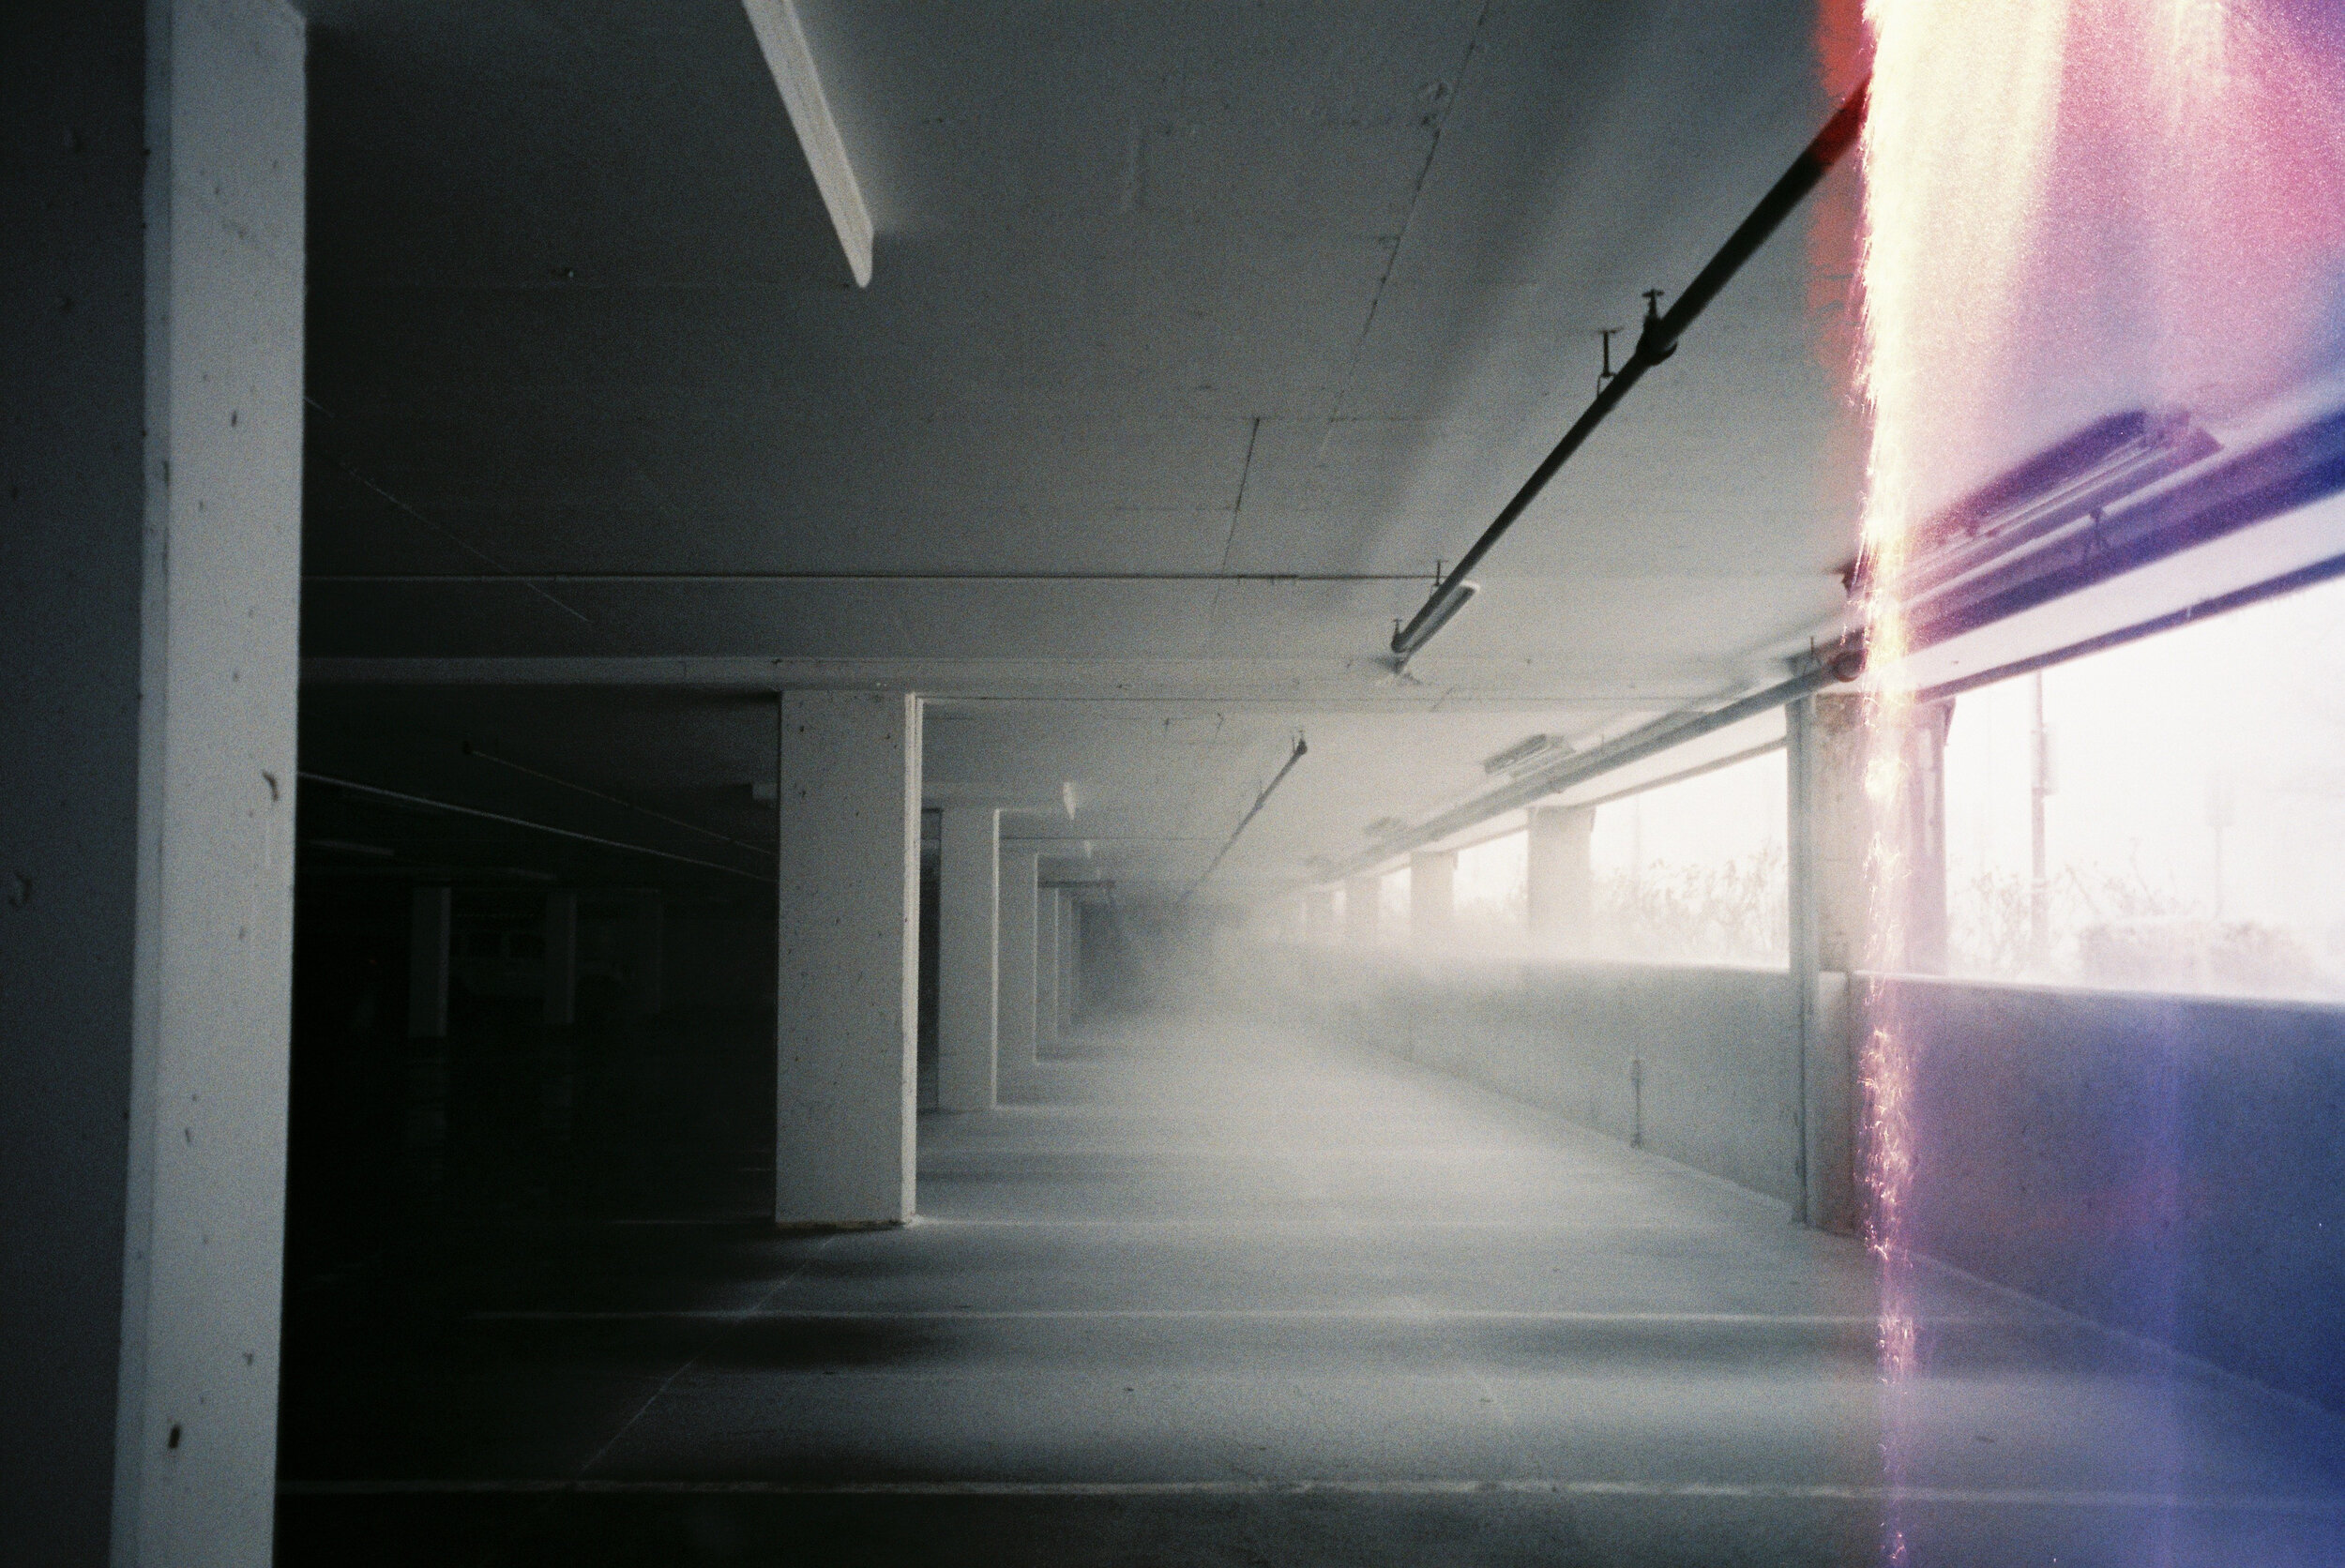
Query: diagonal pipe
[[1655, 343], [1251, 812]]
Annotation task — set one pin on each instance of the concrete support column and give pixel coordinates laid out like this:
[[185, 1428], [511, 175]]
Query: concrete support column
[[1827, 838], [850, 905], [1363, 909], [431, 916], [1020, 961], [1049, 960], [1432, 894], [1924, 830], [1842, 922], [150, 585], [1070, 975], [1854, 928], [561, 931], [647, 957], [968, 902], [1563, 877]]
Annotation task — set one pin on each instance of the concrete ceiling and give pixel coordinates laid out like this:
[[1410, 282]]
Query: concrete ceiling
[[1160, 289]]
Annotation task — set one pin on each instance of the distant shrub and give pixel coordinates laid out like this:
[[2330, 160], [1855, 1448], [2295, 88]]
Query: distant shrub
[[1731, 913]]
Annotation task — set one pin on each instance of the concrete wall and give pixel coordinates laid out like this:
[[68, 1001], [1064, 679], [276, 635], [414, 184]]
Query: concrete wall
[[1695, 1063], [2172, 1165]]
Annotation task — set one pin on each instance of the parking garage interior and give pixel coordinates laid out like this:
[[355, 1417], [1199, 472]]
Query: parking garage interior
[[872, 782]]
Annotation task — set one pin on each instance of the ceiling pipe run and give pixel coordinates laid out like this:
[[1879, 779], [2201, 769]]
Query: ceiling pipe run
[[1646, 740], [1655, 343], [1301, 751], [2304, 467]]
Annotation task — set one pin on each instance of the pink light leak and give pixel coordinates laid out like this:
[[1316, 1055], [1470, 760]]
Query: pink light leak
[[2071, 208]]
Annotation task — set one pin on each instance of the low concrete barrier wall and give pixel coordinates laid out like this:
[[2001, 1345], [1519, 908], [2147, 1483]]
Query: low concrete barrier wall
[[1699, 1064], [2173, 1166]]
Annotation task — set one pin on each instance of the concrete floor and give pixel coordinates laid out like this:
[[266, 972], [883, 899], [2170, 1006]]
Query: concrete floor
[[1208, 1295]]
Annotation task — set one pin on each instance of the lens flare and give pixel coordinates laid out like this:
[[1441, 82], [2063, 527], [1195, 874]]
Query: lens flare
[[2071, 208]]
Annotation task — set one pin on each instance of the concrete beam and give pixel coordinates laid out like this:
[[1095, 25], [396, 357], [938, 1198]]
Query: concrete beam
[[1285, 686], [784, 43], [1009, 799], [848, 1038]]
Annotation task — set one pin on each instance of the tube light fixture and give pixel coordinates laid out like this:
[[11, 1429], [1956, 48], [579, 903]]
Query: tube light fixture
[[784, 43]]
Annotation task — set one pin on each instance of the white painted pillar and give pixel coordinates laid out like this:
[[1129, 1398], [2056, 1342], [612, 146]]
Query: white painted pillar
[[1432, 894], [561, 931], [1019, 960], [1363, 911], [968, 907], [431, 916], [150, 589], [1563, 877], [1049, 960], [849, 999]]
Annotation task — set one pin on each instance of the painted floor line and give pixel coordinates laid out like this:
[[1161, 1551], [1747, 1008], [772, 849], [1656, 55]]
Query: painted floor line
[[1333, 1223], [1265, 1224], [1984, 1497], [1380, 1314]]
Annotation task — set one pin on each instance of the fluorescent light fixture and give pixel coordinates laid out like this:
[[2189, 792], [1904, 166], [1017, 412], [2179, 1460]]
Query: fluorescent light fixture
[[2066, 484], [1526, 752], [783, 42]]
